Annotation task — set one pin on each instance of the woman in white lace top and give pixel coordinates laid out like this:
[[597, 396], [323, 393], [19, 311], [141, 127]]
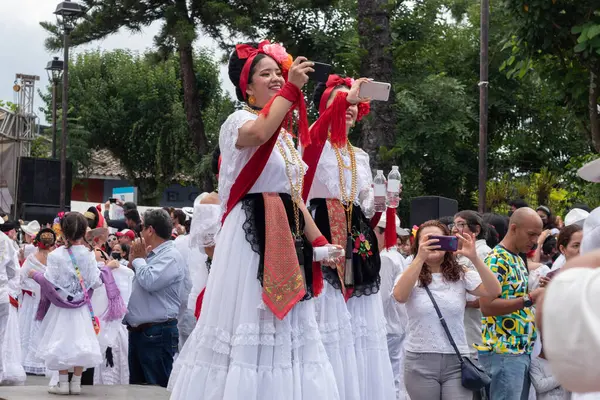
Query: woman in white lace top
[[432, 369], [244, 345]]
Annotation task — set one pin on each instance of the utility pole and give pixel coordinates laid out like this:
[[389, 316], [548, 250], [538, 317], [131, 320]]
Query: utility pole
[[483, 102]]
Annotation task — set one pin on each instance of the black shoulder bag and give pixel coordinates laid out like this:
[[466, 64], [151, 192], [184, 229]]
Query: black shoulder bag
[[473, 376]]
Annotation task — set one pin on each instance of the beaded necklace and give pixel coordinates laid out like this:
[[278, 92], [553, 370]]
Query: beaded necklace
[[347, 200], [292, 165]]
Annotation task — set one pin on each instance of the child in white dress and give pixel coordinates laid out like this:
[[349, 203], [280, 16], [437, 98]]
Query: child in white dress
[[67, 336]]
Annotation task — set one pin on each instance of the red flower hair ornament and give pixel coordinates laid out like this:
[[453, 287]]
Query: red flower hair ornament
[[333, 118], [289, 91], [276, 51]]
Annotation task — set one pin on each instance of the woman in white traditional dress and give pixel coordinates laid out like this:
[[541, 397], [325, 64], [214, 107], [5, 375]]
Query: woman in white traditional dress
[[67, 336], [11, 371], [113, 337], [205, 225], [44, 241], [257, 336], [342, 203]]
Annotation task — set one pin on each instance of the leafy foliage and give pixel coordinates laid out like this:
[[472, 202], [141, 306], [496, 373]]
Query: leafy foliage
[[133, 107]]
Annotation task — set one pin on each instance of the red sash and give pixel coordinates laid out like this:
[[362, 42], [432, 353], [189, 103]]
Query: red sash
[[255, 166]]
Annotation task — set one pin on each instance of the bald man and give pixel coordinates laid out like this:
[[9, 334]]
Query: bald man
[[508, 331]]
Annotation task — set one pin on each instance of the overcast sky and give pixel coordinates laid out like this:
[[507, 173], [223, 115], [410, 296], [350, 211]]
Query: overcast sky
[[22, 44]]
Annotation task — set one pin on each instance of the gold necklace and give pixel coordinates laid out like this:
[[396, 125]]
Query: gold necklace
[[347, 200], [296, 163]]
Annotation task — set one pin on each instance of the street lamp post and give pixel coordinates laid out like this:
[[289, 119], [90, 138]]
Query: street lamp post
[[483, 102], [67, 14], [55, 70]]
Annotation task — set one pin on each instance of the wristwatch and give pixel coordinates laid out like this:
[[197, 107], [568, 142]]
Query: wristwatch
[[527, 301]]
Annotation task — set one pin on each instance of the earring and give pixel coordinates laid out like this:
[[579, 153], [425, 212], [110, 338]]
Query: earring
[[251, 100]]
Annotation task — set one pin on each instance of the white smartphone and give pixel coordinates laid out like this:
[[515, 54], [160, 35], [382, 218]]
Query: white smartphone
[[378, 91]]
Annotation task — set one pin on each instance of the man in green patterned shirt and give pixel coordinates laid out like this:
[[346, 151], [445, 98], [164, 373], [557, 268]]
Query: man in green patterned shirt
[[508, 330]]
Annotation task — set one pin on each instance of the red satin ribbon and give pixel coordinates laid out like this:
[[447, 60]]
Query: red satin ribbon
[[255, 166], [318, 132], [27, 292], [199, 300], [333, 82], [249, 53], [13, 302], [390, 228], [375, 220]]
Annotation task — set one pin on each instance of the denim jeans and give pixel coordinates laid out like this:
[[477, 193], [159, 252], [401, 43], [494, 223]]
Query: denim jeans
[[151, 353], [510, 375]]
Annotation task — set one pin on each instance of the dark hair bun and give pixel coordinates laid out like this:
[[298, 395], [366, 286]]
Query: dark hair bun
[[318, 94], [235, 70], [215, 160]]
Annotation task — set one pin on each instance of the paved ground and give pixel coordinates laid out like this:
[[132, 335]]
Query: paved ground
[[36, 388]]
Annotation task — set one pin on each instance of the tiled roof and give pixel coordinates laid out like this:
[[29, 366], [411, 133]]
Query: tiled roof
[[103, 163]]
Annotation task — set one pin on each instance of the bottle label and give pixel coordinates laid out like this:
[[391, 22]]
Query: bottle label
[[393, 185], [379, 190]]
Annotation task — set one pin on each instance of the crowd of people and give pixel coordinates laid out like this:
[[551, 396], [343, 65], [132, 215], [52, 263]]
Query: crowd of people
[[289, 281]]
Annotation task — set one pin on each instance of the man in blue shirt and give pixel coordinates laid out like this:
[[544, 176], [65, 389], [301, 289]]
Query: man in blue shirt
[[154, 303]]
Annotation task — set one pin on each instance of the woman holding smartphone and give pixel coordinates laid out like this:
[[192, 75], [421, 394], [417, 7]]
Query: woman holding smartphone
[[257, 336], [350, 311], [432, 370]]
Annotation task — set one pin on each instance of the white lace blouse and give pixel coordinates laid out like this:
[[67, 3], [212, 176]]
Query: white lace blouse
[[61, 272], [27, 283], [272, 179], [326, 184], [424, 332], [205, 224]]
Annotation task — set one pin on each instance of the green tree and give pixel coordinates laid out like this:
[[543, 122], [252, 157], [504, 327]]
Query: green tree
[[560, 39], [133, 106], [181, 22]]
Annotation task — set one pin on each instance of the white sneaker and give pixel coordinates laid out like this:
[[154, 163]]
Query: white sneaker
[[75, 387], [62, 389]]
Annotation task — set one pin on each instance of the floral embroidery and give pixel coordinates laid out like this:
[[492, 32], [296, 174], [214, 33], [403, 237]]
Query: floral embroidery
[[362, 246]]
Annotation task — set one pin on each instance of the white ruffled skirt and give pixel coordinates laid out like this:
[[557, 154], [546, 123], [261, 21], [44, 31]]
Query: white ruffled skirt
[[118, 373], [239, 349], [28, 326], [375, 375], [11, 370], [336, 332], [66, 339]]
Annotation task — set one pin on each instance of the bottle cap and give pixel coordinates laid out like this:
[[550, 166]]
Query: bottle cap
[[380, 171], [394, 167]]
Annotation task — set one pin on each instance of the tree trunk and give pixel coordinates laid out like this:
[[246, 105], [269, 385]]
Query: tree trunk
[[593, 110], [379, 129], [191, 102]]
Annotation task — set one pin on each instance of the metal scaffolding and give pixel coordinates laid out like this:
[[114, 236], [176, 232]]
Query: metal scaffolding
[[17, 131]]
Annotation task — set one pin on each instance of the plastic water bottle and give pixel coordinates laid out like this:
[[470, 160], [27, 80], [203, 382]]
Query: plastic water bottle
[[393, 188], [379, 188], [327, 253]]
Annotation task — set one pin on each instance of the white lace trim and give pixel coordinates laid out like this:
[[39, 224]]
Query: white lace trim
[[61, 272], [327, 175]]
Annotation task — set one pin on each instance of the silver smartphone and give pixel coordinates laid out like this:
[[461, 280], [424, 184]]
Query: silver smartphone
[[376, 91]]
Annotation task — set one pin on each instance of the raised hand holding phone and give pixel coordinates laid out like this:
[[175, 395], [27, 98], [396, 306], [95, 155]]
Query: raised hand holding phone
[[354, 94], [320, 72], [467, 246], [375, 91], [427, 246]]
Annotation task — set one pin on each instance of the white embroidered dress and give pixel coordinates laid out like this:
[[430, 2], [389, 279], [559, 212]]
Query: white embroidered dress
[[11, 370], [239, 349], [66, 337], [28, 325], [205, 225], [358, 325]]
